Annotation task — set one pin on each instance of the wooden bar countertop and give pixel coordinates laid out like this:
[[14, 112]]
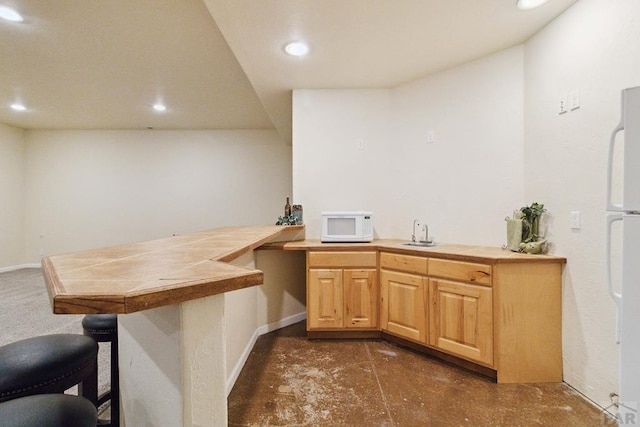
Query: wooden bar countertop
[[140, 276]]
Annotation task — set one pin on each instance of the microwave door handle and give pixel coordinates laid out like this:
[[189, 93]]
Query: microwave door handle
[[617, 297], [612, 142]]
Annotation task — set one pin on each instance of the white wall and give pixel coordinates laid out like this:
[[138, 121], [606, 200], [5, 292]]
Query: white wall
[[88, 189], [466, 182], [462, 185], [283, 293], [12, 188], [240, 318], [499, 144], [329, 171], [593, 48]]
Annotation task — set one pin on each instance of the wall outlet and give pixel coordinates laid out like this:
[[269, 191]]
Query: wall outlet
[[562, 104], [431, 137], [360, 144]]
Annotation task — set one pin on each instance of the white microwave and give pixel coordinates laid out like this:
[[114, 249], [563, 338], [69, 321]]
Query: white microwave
[[355, 226]]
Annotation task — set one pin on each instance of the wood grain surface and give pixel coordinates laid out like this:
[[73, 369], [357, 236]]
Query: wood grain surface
[[451, 251], [144, 275]]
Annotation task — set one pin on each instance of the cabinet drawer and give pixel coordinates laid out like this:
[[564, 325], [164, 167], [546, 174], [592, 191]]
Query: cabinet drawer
[[406, 263], [341, 259], [479, 274]]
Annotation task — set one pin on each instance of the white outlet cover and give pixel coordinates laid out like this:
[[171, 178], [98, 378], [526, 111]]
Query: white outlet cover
[[562, 104], [431, 138]]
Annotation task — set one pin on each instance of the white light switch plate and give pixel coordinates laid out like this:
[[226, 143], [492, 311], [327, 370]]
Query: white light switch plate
[[575, 220], [574, 100]]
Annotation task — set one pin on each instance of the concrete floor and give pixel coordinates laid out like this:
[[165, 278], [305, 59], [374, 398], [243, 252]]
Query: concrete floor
[[291, 381]]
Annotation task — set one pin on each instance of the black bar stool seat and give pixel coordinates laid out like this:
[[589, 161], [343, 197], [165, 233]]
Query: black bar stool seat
[[46, 364], [104, 328], [48, 410]]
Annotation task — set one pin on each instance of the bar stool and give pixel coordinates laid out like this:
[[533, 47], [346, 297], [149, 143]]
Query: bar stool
[[46, 364], [48, 410], [104, 328]]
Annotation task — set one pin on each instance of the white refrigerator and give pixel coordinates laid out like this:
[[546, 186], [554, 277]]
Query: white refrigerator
[[626, 210]]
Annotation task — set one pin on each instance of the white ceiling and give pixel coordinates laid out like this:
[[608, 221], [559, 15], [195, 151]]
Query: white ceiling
[[218, 64]]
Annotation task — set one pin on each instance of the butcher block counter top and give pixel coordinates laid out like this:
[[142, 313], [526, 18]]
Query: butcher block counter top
[[469, 253], [139, 276]]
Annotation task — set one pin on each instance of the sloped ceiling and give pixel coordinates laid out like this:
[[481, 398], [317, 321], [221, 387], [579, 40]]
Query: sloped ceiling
[[219, 64]]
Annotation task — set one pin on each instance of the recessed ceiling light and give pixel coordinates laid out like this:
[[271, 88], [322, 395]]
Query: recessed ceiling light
[[530, 4], [159, 107], [10, 14], [18, 107], [296, 48]]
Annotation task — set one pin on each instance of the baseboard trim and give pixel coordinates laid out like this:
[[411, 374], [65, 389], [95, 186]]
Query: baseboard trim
[[264, 329], [19, 267], [287, 321]]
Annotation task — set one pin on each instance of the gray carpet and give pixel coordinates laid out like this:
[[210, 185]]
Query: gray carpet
[[25, 312]]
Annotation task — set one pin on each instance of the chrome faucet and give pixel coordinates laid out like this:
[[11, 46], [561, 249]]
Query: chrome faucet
[[425, 229], [426, 234], [413, 235]]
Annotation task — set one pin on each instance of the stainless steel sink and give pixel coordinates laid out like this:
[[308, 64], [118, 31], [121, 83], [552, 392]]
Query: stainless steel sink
[[422, 244]]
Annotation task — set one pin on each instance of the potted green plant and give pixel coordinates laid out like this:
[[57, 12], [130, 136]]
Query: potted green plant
[[532, 241]]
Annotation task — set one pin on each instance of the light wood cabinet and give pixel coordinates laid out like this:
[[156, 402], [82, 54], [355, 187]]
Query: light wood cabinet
[[324, 299], [404, 305], [494, 312], [404, 291], [527, 307], [342, 298], [461, 319], [461, 314], [406, 263], [478, 274], [360, 298]]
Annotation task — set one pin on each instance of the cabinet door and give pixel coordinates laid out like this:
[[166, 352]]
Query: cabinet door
[[360, 298], [324, 299], [461, 319], [404, 305]]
